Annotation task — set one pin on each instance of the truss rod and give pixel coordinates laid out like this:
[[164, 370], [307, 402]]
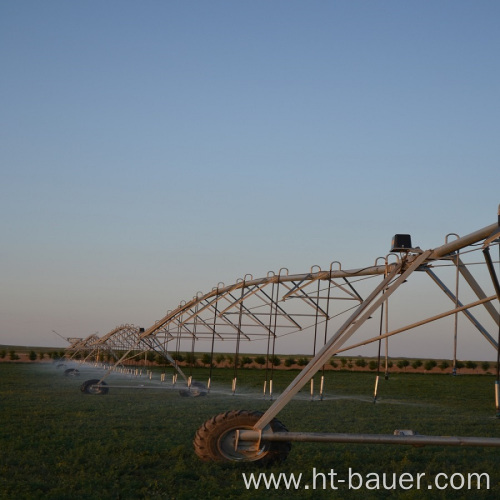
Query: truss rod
[[466, 312], [419, 323]]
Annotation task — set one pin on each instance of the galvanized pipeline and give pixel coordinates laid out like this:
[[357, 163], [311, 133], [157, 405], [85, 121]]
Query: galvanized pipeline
[[403, 438]]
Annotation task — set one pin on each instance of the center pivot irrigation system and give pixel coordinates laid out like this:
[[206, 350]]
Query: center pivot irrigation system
[[333, 307]]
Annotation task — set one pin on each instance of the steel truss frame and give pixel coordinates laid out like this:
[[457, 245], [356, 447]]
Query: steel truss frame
[[281, 304], [81, 346], [394, 275]]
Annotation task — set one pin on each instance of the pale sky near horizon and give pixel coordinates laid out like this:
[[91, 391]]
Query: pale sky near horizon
[[152, 149]]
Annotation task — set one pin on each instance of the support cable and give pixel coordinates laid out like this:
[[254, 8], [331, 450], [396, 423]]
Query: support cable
[[377, 378], [238, 337], [213, 343], [322, 386], [274, 335], [315, 334], [269, 337]]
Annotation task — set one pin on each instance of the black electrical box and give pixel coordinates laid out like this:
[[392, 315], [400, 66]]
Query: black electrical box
[[401, 243]]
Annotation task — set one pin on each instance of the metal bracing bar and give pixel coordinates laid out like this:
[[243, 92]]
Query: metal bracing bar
[[249, 314], [211, 327], [305, 297], [181, 325], [478, 291], [308, 300], [155, 344], [206, 297], [466, 312], [419, 323], [356, 319], [298, 286], [353, 295], [414, 440], [250, 292], [282, 314], [349, 284], [224, 318], [323, 275]]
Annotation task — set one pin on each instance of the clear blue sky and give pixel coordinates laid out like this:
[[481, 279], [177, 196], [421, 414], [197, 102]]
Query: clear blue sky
[[152, 149]]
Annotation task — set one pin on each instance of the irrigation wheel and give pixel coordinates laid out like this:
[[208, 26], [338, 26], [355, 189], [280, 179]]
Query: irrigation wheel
[[93, 387], [194, 390], [215, 439], [71, 372]]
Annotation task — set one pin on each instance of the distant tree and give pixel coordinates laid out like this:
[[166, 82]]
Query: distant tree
[[373, 365], [390, 364], [361, 362], [260, 360], [429, 365], [444, 365], [13, 356], [333, 363], [32, 356], [343, 362], [459, 365], [191, 358], [417, 364], [485, 366], [159, 359], [150, 356], [402, 364], [41, 355], [177, 356], [471, 365], [275, 360], [3, 353], [302, 361], [206, 359], [290, 361], [220, 358], [229, 358], [246, 360]]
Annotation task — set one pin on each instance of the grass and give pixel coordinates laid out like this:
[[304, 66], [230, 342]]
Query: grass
[[58, 443]]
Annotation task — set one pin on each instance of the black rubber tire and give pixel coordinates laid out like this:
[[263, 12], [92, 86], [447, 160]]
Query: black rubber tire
[[195, 390], [214, 440], [91, 387], [71, 372]]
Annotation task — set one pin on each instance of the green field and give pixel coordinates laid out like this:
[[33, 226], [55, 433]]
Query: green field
[[58, 443]]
